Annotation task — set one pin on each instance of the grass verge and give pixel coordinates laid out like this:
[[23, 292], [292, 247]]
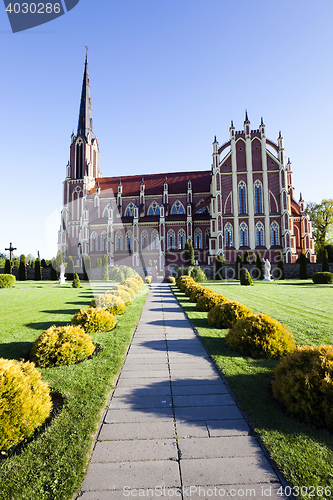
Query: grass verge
[[51, 466], [303, 453]]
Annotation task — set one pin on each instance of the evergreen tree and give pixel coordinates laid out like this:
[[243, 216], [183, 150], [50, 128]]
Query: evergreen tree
[[38, 270], [324, 263], [22, 273], [191, 254], [54, 274], [70, 268], [187, 254], [8, 267], [259, 266], [246, 257], [99, 262], [105, 268], [87, 267], [245, 277], [43, 263], [303, 271], [280, 266], [218, 267], [238, 266], [59, 259], [76, 281]]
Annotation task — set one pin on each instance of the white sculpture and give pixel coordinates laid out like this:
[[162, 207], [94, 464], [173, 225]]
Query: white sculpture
[[62, 279], [267, 274]]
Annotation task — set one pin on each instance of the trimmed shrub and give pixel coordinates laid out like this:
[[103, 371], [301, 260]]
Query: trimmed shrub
[[87, 268], [171, 279], [105, 268], [117, 273], [324, 265], [59, 258], [189, 254], [260, 336], [197, 292], [16, 264], [22, 272], [124, 293], [246, 257], [148, 279], [133, 284], [259, 266], [209, 300], [99, 262], [218, 268], [225, 315], [190, 288], [110, 301], [238, 266], [25, 402], [7, 280], [182, 281], [94, 320], [76, 281], [126, 289], [70, 269], [245, 278], [303, 271], [304, 384], [197, 273], [61, 345], [8, 267], [38, 270], [322, 278]]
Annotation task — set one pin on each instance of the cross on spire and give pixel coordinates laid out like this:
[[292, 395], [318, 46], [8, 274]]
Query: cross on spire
[[11, 250]]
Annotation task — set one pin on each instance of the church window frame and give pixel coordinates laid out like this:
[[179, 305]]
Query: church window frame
[[119, 241], [259, 234], [228, 231], [144, 239], [94, 242], [129, 241], [106, 211], [244, 233], [177, 208], [207, 237], [171, 239], [154, 240], [104, 242], [258, 197], [181, 239], [275, 237], [154, 208], [79, 158], [242, 205], [198, 239], [129, 210]]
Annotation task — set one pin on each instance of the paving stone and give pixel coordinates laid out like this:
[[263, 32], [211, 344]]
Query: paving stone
[[234, 427], [141, 402], [231, 470], [196, 428], [138, 415], [208, 413], [178, 371], [143, 382], [144, 391], [199, 390], [131, 475], [203, 400], [142, 373], [214, 447], [102, 495], [138, 430], [147, 367], [136, 450], [190, 382]]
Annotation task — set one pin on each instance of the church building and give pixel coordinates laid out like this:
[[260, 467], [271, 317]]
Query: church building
[[244, 202]]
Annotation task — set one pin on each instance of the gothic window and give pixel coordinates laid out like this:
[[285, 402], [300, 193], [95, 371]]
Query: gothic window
[[242, 197], [219, 203], [274, 234], [243, 235], [219, 223], [106, 211], [259, 234], [197, 239], [129, 241], [218, 184], [79, 159], [228, 235], [94, 242], [103, 242], [144, 239], [119, 241], [154, 240], [258, 197], [177, 208], [171, 239], [129, 210], [181, 239], [207, 238], [154, 209]]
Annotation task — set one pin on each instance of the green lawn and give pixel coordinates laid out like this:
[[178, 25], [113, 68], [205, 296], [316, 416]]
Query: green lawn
[[302, 452], [51, 465]]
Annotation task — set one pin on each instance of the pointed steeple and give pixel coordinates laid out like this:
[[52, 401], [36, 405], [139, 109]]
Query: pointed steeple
[[85, 124], [246, 117]]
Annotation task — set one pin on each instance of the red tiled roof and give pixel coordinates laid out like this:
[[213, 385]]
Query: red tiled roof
[[177, 182]]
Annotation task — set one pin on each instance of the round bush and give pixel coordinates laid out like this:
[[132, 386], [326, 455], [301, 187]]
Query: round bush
[[225, 315], [62, 345], [124, 294], [94, 320], [182, 281], [304, 384], [25, 402], [132, 284], [245, 278], [260, 336], [189, 289], [209, 300], [110, 301], [117, 273], [197, 292], [322, 278], [7, 280], [125, 289], [171, 279], [138, 280], [197, 273], [148, 279]]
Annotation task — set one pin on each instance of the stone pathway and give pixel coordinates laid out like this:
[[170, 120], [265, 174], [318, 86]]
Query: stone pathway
[[172, 422]]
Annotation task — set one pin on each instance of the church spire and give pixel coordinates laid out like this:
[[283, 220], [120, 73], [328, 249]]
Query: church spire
[[85, 124]]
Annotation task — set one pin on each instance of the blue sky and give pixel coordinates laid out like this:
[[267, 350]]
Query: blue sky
[[166, 76]]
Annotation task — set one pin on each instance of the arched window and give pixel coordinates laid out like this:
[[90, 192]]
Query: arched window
[[243, 234], [228, 235], [259, 234], [207, 236], [129, 210], [106, 211], [258, 197], [129, 241], [197, 239], [119, 241], [242, 197], [178, 208], [219, 203], [94, 242], [181, 239], [79, 159], [103, 242], [144, 239], [154, 240], [274, 234], [171, 239], [154, 209]]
